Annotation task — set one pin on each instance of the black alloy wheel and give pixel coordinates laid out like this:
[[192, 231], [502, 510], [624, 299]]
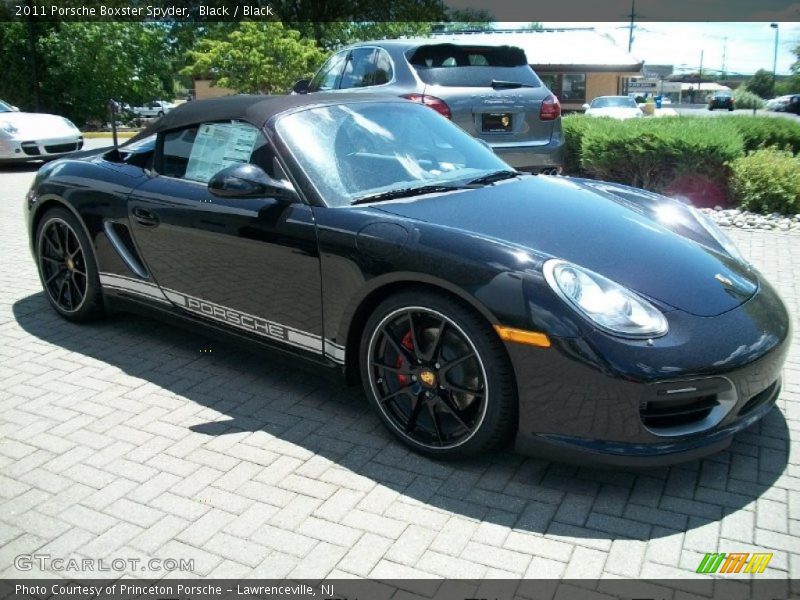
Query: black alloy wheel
[[438, 376], [66, 266]]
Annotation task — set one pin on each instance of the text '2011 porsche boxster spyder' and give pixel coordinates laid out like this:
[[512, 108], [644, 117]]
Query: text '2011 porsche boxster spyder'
[[477, 305]]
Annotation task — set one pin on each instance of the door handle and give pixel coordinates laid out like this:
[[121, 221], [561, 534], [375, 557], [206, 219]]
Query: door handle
[[144, 217]]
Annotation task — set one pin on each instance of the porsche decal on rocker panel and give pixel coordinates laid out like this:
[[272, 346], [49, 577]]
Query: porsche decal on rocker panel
[[253, 324]]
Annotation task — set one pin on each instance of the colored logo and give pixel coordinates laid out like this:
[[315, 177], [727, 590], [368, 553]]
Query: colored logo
[[734, 562]]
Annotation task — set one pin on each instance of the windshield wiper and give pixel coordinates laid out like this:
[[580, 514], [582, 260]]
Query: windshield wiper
[[495, 176], [497, 83], [407, 192]]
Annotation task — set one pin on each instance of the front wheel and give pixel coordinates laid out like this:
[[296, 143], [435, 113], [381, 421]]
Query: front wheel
[[438, 375], [67, 268]]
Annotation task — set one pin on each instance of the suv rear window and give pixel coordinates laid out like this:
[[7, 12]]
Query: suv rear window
[[471, 66]]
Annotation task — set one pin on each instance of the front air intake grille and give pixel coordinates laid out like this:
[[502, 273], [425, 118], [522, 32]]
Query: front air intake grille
[[61, 148], [668, 413], [686, 407], [30, 148]]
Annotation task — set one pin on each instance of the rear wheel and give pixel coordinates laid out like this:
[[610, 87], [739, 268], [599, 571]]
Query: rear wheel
[[67, 268], [438, 375]]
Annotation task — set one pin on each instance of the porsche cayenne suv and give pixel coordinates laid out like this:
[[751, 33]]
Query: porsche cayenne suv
[[489, 91]]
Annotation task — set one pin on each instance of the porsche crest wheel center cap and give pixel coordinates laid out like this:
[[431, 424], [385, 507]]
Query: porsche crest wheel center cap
[[427, 378], [70, 264]]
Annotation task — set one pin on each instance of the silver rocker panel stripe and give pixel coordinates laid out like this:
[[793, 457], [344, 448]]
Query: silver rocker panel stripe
[[247, 322], [134, 286]]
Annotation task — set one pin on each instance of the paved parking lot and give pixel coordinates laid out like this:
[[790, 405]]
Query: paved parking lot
[[132, 439]]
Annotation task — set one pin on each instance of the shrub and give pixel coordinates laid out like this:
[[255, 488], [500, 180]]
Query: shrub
[[744, 99], [652, 153], [575, 127], [767, 180], [759, 132]]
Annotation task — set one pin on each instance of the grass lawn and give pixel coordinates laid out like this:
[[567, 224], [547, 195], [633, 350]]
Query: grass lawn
[[90, 135]]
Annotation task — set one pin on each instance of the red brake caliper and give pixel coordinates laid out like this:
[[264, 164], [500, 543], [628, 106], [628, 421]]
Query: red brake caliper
[[408, 344]]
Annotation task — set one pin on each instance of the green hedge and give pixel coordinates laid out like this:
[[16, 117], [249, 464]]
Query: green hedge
[[724, 153], [653, 152], [745, 99], [767, 180], [760, 131]]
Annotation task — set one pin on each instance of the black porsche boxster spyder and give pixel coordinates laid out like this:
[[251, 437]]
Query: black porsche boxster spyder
[[476, 304]]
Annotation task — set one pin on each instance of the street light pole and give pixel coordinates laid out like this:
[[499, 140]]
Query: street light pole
[[774, 56]]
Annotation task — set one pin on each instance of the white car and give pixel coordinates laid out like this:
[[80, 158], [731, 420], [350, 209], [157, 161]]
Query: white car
[[35, 136], [616, 107], [156, 108]]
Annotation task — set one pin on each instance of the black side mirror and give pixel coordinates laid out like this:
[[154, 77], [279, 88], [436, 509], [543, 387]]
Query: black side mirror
[[301, 87], [246, 180]]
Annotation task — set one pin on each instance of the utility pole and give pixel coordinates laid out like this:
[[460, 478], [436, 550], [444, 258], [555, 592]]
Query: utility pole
[[630, 32], [775, 55], [724, 54], [700, 76]]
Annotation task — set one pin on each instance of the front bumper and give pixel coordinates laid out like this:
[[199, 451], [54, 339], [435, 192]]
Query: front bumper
[[20, 150], [598, 399]]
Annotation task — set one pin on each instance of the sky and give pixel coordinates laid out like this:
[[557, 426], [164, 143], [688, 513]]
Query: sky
[[750, 46]]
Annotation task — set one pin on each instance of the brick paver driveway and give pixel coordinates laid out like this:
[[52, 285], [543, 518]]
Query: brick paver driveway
[[132, 439]]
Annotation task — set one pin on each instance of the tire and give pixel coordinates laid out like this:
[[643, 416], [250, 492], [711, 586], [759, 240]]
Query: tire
[[160, 113], [444, 386], [71, 286]]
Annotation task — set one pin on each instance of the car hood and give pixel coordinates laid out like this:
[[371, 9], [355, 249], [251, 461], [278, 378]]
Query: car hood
[[35, 126], [644, 241]]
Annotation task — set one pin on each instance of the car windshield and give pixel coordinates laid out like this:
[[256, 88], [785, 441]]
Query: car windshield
[[353, 151], [613, 102], [5, 107], [453, 65]]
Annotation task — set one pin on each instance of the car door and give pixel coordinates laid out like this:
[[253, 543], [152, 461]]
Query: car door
[[250, 264]]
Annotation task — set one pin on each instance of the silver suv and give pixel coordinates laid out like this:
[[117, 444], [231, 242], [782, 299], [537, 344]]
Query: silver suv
[[490, 91]]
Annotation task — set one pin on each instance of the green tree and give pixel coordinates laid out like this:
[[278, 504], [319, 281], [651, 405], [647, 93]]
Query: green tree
[[89, 63], [82, 65], [760, 83], [255, 58]]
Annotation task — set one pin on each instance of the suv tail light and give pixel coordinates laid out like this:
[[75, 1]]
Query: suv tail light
[[551, 109], [435, 103]]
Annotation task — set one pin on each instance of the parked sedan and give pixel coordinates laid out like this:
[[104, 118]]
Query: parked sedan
[[489, 91], [789, 103], [720, 100], [157, 108], [616, 107], [35, 136], [476, 304]]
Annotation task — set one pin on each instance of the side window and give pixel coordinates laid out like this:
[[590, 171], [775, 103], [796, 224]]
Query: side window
[[357, 69], [197, 153], [366, 67], [383, 68], [327, 77]]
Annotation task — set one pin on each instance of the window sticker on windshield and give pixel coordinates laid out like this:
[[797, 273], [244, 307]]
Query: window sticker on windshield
[[220, 145]]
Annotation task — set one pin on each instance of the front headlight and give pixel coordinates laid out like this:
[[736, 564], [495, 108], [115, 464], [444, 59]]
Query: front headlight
[[608, 305], [68, 123], [715, 232], [8, 128]]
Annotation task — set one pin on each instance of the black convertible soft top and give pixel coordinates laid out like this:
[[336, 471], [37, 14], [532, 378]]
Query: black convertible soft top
[[254, 109]]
